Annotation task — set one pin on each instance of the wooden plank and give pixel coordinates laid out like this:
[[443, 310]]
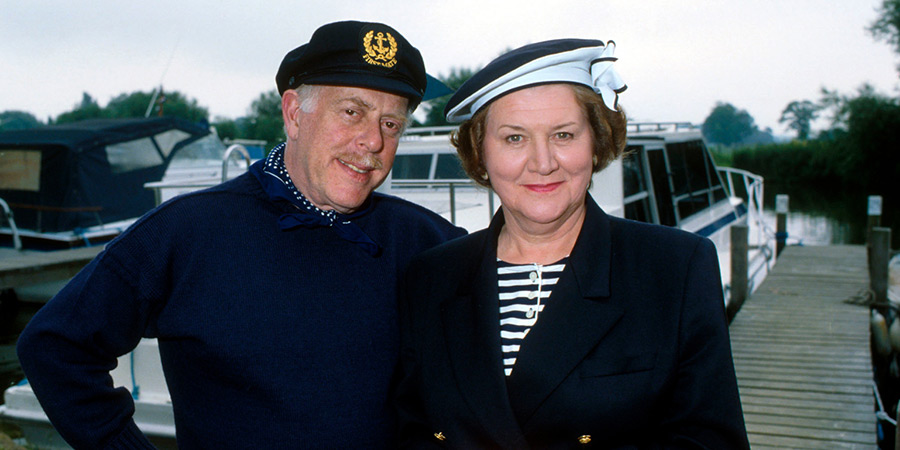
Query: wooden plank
[[801, 353], [829, 435], [813, 405], [32, 267], [782, 413]]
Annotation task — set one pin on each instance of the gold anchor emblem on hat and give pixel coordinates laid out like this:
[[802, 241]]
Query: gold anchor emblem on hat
[[377, 53]]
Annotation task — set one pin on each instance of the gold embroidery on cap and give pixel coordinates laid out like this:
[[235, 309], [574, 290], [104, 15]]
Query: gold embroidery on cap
[[376, 52]]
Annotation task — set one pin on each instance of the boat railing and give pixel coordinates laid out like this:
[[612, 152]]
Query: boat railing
[[8, 214], [416, 132], [639, 127], [748, 186], [451, 186], [158, 186], [241, 150]]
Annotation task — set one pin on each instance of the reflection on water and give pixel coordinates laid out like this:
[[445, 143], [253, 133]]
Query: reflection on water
[[829, 216], [806, 229]]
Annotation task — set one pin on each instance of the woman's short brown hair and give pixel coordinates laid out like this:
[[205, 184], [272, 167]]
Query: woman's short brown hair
[[607, 129]]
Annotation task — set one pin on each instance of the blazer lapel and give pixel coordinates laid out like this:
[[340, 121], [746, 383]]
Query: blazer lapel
[[577, 316], [471, 323]]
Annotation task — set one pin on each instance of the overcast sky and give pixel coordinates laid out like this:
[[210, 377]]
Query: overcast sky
[[678, 58]]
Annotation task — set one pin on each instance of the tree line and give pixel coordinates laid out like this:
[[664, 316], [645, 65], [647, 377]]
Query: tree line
[[263, 122]]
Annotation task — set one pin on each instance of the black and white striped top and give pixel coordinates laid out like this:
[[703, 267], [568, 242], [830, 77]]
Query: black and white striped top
[[524, 291]]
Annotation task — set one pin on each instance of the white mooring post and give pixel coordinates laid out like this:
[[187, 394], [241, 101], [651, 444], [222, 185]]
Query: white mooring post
[[781, 212]]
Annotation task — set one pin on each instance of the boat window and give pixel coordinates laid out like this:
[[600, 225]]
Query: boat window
[[690, 181], [411, 167], [133, 155], [167, 140], [718, 189], [638, 210], [661, 188], [449, 168], [20, 170], [637, 197], [202, 152], [632, 177]]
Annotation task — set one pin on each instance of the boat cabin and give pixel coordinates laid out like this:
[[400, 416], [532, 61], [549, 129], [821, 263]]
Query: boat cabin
[[64, 182], [667, 177]]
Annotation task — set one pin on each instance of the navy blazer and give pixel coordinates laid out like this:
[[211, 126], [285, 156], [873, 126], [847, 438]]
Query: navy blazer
[[631, 350]]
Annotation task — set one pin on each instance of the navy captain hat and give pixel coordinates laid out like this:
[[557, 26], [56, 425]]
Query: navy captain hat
[[579, 61], [357, 54]]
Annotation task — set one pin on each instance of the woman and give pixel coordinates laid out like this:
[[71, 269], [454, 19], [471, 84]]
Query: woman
[[560, 326]]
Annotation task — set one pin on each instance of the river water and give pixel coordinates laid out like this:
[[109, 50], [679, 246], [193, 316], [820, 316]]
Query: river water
[[806, 229], [829, 216]]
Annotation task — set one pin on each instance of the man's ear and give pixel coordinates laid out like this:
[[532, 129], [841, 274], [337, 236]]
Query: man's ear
[[290, 112]]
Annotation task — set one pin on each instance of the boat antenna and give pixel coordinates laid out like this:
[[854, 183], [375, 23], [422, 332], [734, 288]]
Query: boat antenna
[[156, 91]]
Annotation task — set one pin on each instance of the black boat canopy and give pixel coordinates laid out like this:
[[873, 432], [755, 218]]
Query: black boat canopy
[[74, 176]]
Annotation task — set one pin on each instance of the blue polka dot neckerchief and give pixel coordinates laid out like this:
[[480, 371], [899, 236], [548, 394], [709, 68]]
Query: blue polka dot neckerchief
[[276, 181]]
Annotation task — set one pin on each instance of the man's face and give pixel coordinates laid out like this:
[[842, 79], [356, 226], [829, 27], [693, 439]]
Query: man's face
[[343, 149]]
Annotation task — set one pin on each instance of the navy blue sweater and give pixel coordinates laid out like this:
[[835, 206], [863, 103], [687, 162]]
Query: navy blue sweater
[[268, 338]]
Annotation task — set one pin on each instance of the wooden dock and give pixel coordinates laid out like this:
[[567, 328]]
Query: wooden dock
[[32, 267], [801, 353]]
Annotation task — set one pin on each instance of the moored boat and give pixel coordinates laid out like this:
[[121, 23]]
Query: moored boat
[[82, 183]]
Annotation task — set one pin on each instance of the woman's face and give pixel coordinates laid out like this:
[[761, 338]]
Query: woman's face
[[538, 154]]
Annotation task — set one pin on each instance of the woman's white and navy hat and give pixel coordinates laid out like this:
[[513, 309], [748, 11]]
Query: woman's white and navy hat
[[579, 61], [357, 54]]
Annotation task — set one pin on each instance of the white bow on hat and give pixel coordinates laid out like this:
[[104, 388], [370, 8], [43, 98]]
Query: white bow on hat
[[589, 66], [606, 81]]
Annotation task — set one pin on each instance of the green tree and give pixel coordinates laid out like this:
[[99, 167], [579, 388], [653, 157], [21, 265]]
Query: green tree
[[168, 104], [887, 26], [176, 104], [435, 115], [727, 125], [87, 109], [871, 142], [226, 128], [18, 120], [799, 116], [135, 104], [264, 121]]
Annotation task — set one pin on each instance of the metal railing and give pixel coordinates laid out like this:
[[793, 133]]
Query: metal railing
[[413, 133], [752, 195], [638, 127], [451, 191], [231, 149], [158, 186], [8, 214], [752, 186]]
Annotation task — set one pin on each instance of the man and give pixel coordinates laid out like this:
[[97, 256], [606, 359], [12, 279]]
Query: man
[[272, 295]]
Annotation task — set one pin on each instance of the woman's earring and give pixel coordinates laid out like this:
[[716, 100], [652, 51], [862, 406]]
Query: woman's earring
[[484, 176], [596, 160]]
